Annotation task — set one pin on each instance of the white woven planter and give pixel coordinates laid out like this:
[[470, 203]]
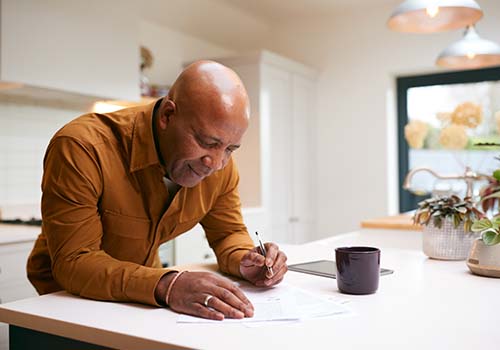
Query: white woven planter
[[447, 242]]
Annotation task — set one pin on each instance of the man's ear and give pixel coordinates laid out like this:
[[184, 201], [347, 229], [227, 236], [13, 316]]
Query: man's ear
[[167, 110]]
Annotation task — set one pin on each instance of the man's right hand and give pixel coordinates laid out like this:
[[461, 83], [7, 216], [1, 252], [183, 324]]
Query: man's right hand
[[191, 289]]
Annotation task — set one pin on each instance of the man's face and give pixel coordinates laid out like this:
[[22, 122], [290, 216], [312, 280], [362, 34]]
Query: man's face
[[195, 144]]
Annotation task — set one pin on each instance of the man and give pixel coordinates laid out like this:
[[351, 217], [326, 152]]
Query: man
[[117, 185]]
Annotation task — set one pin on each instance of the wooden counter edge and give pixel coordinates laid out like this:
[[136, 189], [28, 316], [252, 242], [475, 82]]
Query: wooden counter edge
[[394, 222]]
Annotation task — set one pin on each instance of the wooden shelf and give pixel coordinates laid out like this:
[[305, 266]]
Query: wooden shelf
[[395, 222]]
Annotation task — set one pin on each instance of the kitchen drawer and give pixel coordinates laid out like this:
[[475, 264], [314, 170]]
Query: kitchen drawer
[[13, 258]]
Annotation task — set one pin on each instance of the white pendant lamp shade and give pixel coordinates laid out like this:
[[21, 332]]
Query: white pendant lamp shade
[[470, 52], [430, 16]]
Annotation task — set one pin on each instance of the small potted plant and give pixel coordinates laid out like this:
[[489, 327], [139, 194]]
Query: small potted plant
[[447, 222], [484, 257]]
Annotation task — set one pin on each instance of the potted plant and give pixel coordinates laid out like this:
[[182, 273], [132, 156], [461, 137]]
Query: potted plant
[[484, 257], [447, 222]]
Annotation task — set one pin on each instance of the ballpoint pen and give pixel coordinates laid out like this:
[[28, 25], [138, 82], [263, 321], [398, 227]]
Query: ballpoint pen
[[263, 252]]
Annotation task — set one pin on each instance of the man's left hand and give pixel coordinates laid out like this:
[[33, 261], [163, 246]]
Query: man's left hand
[[254, 266]]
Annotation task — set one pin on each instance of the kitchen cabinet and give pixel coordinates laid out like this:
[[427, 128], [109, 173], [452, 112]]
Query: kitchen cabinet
[[16, 242], [74, 47], [278, 153]]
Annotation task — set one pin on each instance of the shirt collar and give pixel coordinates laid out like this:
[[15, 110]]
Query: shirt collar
[[143, 151]]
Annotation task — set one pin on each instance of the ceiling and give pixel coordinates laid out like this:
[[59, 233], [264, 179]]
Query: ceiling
[[239, 24], [286, 9]]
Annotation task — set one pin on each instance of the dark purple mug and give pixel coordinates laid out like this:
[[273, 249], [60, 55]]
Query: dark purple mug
[[358, 269]]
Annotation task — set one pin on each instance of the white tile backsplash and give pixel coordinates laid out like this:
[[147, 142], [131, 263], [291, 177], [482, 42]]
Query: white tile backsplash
[[25, 131]]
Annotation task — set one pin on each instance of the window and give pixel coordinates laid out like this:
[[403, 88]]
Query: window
[[470, 99]]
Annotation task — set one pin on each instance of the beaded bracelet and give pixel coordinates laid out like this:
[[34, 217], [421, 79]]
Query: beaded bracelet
[[169, 289]]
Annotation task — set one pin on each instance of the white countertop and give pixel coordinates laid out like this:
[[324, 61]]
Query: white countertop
[[425, 304], [18, 233], [24, 211]]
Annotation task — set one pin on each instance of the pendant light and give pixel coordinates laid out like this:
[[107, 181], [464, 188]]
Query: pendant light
[[470, 52], [429, 16]]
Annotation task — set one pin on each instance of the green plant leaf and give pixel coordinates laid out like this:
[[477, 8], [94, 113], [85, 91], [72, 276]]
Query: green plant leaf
[[496, 240], [490, 237], [496, 174], [481, 225], [496, 222]]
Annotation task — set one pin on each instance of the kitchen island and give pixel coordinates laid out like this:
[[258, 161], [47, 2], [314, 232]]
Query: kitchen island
[[425, 304]]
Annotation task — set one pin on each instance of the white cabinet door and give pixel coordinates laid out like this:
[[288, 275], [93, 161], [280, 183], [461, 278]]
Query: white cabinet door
[[303, 159], [14, 283], [276, 108], [86, 47]]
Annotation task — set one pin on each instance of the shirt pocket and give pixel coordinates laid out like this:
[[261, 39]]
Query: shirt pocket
[[125, 237]]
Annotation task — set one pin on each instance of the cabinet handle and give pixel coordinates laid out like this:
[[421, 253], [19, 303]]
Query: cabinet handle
[[293, 219]]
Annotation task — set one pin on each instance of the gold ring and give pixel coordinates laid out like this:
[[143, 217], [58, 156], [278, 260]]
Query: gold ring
[[207, 299]]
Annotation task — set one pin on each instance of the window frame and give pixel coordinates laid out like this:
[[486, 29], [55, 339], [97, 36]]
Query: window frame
[[407, 200]]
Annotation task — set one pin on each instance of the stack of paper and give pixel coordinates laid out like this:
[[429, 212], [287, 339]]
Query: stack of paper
[[280, 303]]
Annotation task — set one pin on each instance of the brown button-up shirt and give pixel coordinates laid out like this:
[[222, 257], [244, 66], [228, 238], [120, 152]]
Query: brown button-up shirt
[[104, 211]]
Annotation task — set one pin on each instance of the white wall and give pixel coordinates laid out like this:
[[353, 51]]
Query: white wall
[[171, 49], [358, 58], [26, 128]]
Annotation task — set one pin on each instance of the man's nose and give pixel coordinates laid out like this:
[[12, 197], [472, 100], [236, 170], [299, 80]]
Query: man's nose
[[214, 160]]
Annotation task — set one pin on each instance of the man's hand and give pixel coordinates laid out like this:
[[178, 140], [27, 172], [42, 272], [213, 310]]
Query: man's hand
[[253, 266], [191, 289]]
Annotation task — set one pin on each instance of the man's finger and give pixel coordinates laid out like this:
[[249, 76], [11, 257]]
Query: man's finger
[[205, 312], [225, 308], [239, 293], [279, 262], [272, 253], [278, 277], [233, 296]]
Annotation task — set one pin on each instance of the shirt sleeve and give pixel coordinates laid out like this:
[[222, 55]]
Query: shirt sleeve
[[71, 189], [224, 227]]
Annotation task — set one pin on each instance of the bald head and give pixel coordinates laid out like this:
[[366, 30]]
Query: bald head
[[201, 122], [208, 84]]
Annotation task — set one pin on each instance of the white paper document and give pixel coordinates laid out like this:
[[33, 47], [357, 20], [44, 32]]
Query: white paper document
[[280, 303]]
